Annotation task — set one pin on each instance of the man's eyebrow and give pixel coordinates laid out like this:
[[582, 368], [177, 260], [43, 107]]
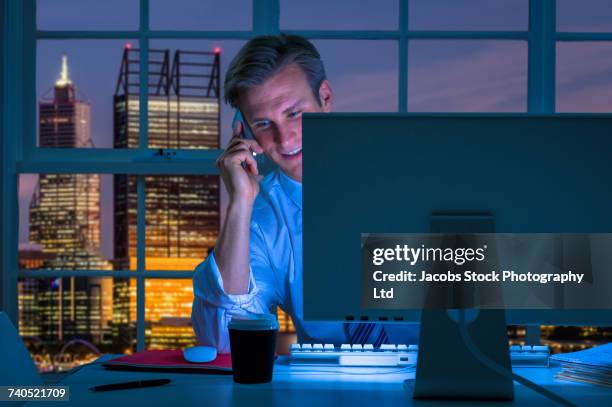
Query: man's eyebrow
[[293, 106], [259, 119], [287, 110]]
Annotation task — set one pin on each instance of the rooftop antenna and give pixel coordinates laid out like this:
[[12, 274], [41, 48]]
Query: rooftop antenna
[[64, 80]]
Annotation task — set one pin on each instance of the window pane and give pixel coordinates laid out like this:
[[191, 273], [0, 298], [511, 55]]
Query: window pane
[[182, 220], [193, 52], [65, 221], [339, 14], [584, 15], [201, 15], [76, 81], [65, 322], [467, 76], [184, 95], [583, 77], [361, 84], [482, 15], [87, 14], [168, 314]]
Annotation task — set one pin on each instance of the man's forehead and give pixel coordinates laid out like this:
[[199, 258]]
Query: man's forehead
[[287, 87]]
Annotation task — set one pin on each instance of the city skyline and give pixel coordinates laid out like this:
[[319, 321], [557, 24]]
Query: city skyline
[[65, 218], [184, 210], [65, 223]]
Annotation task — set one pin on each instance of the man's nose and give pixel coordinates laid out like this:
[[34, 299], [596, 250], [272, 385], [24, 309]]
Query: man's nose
[[284, 134]]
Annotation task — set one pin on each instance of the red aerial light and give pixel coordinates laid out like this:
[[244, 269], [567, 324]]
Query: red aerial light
[[217, 50], [128, 45]]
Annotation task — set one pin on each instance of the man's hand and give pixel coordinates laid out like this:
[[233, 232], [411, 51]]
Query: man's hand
[[238, 168], [239, 171]]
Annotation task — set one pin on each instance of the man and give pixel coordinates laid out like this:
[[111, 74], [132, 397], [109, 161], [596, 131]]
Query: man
[[257, 262]]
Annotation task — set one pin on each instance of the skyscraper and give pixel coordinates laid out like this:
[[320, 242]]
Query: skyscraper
[[65, 223], [182, 212]]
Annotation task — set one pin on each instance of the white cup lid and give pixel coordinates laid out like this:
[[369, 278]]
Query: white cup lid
[[253, 322]]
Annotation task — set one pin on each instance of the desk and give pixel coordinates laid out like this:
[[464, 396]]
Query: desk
[[300, 386]]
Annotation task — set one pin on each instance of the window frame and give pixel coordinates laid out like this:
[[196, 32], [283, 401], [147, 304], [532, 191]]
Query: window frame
[[2, 170], [20, 154]]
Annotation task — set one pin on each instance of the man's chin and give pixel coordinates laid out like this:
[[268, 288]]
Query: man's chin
[[294, 173]]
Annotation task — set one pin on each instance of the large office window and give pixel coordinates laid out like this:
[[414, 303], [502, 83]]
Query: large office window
[[112, 215]]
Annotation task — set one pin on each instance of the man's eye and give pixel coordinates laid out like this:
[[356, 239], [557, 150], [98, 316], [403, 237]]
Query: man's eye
[[262, 124], [293, 115]]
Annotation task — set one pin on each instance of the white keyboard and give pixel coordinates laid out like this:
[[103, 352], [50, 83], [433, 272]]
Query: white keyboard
[[353, 355], [319, 354]]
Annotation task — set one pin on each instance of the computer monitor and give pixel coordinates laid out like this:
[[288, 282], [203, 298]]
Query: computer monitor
[[403, 173]]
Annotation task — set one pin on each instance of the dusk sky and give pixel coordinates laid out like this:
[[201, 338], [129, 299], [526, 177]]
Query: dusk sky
[[452, 76]]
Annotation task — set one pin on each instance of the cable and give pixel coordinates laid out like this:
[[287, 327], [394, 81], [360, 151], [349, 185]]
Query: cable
[[485, 360]]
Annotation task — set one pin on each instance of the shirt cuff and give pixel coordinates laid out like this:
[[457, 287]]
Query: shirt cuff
[[209, 286]]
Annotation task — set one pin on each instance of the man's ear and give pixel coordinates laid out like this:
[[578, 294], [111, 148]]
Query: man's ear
[[326, 96]]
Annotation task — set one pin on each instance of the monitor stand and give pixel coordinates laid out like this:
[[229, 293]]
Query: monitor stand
[[456, 364], [447, 368]]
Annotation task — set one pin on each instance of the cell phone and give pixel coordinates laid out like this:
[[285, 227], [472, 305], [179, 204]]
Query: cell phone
[[246, 129], [264, 166]]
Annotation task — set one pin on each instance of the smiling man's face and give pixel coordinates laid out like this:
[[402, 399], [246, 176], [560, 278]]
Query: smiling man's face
[[274, 112]]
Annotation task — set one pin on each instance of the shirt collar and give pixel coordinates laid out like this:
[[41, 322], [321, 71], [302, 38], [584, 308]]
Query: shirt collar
[[292, 188]]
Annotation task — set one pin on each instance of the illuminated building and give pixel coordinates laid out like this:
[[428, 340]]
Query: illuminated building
[[182, 212], [28, 289], [65, 224]]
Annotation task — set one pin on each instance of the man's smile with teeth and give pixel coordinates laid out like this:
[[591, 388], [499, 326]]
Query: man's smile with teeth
[[294, 151]]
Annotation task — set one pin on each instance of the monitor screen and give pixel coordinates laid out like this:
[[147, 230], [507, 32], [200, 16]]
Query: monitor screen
[[368, 175]]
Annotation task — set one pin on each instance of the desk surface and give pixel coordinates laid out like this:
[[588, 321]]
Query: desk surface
[[300, 386]]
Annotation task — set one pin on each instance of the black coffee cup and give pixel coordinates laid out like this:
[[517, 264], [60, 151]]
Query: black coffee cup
[[253, 344]]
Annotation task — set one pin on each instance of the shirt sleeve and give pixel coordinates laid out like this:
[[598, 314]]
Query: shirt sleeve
[[213, 307]]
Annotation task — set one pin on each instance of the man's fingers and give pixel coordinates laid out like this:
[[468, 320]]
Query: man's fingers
[[251, 166], [240, 151], [251, 144], [233, 146], [246, 161], [238, 129], [238, 156], [236, 148], [234, 141], [256, 147]]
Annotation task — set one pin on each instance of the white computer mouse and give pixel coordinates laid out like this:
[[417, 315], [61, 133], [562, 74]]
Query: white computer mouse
[[200, 354]]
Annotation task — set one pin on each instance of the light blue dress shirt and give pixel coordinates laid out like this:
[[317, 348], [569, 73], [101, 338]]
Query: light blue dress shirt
[[275, 274]]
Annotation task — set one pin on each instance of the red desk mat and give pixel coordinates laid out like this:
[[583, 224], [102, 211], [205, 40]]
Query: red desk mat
[[169, 361]]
